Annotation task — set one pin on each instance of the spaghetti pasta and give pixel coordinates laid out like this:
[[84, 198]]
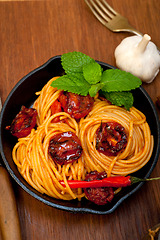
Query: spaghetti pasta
[[30, 154]]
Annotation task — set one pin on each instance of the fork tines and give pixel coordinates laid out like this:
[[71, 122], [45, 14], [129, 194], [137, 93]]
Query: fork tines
[[102, 10]]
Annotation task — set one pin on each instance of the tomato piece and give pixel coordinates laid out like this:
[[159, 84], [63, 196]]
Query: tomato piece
[[56, 108], [111, 138], [65, 148], [98, 195], [23, 123], [75, 105]]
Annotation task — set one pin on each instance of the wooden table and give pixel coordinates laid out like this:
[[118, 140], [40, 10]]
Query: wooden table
[[31, 32]]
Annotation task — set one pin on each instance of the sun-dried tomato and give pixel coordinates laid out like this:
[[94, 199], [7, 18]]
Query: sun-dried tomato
[[76, 105], [99, 195], [65, 148], [111, 138], [56, 108], [23, 123]]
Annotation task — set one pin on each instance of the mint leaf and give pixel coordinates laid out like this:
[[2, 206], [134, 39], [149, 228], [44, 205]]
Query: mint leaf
[[120, 98], [95, 88], [117, 80], [92, 72], [74, 83], [73, 62]]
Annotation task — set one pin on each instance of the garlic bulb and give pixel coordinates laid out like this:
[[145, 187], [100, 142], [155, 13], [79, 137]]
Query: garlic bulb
[[139, 56]]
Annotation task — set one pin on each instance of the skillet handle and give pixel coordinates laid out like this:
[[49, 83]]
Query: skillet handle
[[9, 220]]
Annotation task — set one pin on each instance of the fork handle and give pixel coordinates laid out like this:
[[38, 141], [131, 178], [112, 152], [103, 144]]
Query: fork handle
[[135, 31]]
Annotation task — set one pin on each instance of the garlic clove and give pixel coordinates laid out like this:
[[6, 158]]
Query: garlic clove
[[139, 56]]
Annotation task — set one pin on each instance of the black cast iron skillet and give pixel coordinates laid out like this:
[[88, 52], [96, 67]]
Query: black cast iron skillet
[[24, 94]]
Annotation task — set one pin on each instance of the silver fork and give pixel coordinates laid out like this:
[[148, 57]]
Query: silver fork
[[110, 18]]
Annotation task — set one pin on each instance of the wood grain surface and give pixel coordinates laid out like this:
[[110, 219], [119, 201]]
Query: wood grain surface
[[31, 32]]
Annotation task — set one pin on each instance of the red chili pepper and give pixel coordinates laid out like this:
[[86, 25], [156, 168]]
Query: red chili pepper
[[116, 181]]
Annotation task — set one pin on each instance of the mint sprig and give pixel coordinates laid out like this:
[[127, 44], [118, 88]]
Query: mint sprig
[[83, 75]]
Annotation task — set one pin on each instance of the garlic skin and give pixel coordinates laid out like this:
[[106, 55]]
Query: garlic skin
[[139, 56]]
